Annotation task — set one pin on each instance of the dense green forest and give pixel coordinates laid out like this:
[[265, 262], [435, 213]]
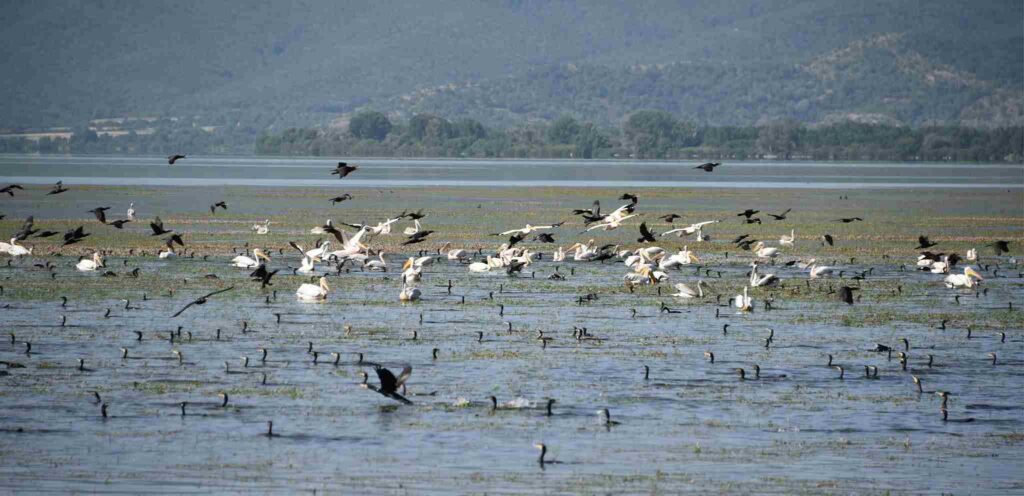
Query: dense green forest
[[647, 134], [267, 66]]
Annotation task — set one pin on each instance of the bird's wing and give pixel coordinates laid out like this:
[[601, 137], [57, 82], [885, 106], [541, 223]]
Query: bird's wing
[[404, 376], [183, 309], [225, 290]]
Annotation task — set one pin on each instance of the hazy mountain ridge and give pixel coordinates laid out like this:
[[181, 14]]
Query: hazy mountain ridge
[[269, 65]]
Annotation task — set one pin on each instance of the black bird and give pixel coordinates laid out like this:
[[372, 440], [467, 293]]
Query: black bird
[[924, 243], [755, 220], [847, 220], [120, 223], [746, 244], [74, 235], [1000, 247], [100, 213], [670, 217], [158, 227], [631, 197], [221, 204], [417, 215], [515, 238], [174, 238], [261, 275], [26, 229], [389, 384], [58, 188], [201, 300], [740, 239], [846, 294], [827, 238], [9, 189], [515, 267], [343, 169], [595, 210], [174, 158], [708, 166], [781, 216], [747, 213], [47, 234], [339, 199], [646, 235], [417, 238], [545, 238]]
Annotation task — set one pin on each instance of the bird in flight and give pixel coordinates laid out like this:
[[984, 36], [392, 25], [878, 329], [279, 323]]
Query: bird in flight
[[846, 294], [781, 216], [339, 199], [174, 158], [923, 243], [201, 300], [9, 189], [221, 204], [1000, 247], [389, 384], [343, 169], [100, 213], [158, 227], [708, 166], [847, 220], [58, 188], [646, 235], [747, 213], [419, 237], [670, 217]]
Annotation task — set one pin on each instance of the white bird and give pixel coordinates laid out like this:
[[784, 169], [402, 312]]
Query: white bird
[[761, 280], [409, 293], [558, 255], [307, 266], [692, 228], [313, 292], [167, 253], [964, 280], [972, 255], [684, 291], [684, 257], [817, 271], [526, 230], [90, 264], [14, 249], [482, 266], [379, 265], [611, 224], [131, 211], [409, 231], [788, 240], [744, 302], [263, 228], [411, 273], [701, 237], [763, 251], [584, 253], [244, 262]]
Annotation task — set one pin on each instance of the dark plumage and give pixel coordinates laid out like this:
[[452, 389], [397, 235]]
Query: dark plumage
[[747, 213], [158, 227], [343, 169], [846, 294], [708, 166], [100, 213], [58, 188], [646, 235], [827, 238], [781, 216], [263, 276], [1000, 247], [417, 238], [545, 238], [389, 384], [119, 224], [417, 215], [924, 243], [670, 217], [847, 220], [74, 235], [201, 300], [339, 199], [221, 204], [9, 189], [174, 158]]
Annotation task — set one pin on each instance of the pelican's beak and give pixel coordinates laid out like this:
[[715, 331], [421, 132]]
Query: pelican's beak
[[971, 272], [407, 264]]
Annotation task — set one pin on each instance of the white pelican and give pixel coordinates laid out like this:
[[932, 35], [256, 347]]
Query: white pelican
[[526, 230], [684, 291], [611, 224], [379, 265], [684, 257], [319, 252], [411, 274], [743, 302], [964, 280], [409, 294], [131, 211], [244, 262], [454, 253], [584, 253], [763, 251], [168, 253], [409, 231], [788, 240], [307, 266], [482, 266], [313, 292], [819, 271], [972, 255], [261, 228], [89, 264], [14, 249], [692, 228], [761, 280], [558, 255], [701, 237]]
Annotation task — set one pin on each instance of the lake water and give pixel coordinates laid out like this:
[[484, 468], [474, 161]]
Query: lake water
[[263, 171]]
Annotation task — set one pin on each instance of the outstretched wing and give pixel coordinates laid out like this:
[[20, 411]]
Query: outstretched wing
[[404, 376], [225, 290], [183, 309]]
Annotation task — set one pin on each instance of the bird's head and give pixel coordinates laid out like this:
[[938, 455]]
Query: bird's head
[[969, 272]]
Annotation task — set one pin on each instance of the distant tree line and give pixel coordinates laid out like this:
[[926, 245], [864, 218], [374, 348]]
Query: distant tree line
[[646, 134]]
